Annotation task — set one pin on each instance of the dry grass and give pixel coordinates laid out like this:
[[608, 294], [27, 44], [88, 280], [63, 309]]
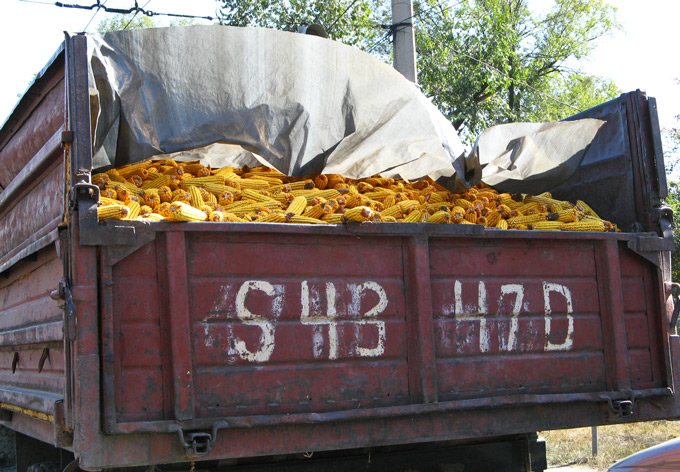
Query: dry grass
[[573, 446]]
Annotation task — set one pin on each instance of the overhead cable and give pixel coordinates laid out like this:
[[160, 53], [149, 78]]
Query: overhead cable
[[99, 5]]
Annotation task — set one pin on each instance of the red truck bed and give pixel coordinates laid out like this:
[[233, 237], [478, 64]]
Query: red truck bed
[[199, 341]]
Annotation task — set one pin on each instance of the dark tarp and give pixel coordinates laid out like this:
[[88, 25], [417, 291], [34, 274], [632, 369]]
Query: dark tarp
[[301, 104]]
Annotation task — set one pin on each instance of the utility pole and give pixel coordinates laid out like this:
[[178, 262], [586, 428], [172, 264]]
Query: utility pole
[[404, 39]]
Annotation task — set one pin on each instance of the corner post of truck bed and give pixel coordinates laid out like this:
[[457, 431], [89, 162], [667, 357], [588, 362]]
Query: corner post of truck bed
[[83, 195]]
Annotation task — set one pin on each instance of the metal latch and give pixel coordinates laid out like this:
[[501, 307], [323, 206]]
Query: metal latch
[[83, 188], [622, 408], [675, 293], [63, 292], [199, 443]]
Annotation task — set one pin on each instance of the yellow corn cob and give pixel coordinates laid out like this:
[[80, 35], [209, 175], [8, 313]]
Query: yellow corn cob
[[462, 203], [297, 206], [256, 196], [389, 201], [275, 217], [145, 210], [527, 219], [181, 211], [547, 225], [408, 206], [252, 184], [130, 169], [112, 211], [586, 209], [180, 195], [471, 216], [388, 219], [333, 218], [135, 209], [493, 217], [198, 170], [457, 214], [328, 194], [305, 220], [165, 194], [360, 213], [203, 181], [246, 206], [271, 180], [164, 210], [546, 200], [114, 176], [566, 216], [524, 209], [514, 205], [153, 217], [110, 201], [321, 181], [414, 217], [316, 211], [195, 197], [100, 180], [208, 197], [306, 184], [502, 224], [584, 225], [393, 211], [440, 217], [137, 180], [224, 171]]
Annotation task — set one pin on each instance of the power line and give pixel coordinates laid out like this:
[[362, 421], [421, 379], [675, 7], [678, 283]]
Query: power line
[[342, 15], [123, 11], [95, 14], [133, 16]]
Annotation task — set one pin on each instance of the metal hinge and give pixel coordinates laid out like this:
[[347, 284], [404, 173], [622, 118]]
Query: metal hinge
[[63, 292], [199, 443]]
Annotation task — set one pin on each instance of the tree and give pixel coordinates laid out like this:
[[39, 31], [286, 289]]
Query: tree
[[132, 21], [125, 22], [353, 22], [491, 61], [481, 61]]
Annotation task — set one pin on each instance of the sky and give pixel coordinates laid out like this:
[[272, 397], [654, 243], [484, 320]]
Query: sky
[[643, 55]]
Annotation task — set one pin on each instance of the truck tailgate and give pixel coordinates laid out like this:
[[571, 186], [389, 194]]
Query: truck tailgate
[[249, 325]]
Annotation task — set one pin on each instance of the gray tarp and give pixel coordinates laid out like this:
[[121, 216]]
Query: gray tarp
[[301, 104], [304, 103]]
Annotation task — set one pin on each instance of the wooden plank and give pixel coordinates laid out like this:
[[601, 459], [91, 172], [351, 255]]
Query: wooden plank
[[421, 357], [180, 326], [612, 314]]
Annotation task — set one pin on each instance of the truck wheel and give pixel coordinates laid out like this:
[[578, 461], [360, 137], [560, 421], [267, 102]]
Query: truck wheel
[[7, 451], [44, 467]]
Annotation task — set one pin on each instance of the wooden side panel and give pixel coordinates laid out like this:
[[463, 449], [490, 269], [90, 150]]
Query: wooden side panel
[[37, 126], [35, 214], [32, 330]]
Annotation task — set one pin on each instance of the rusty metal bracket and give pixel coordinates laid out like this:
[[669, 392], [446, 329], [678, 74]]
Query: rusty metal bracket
[[199, 443], [82, 189], [622, 408], [63, 292], [649, 245]]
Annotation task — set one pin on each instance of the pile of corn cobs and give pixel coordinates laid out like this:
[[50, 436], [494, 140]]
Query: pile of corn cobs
[[167, 190]]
